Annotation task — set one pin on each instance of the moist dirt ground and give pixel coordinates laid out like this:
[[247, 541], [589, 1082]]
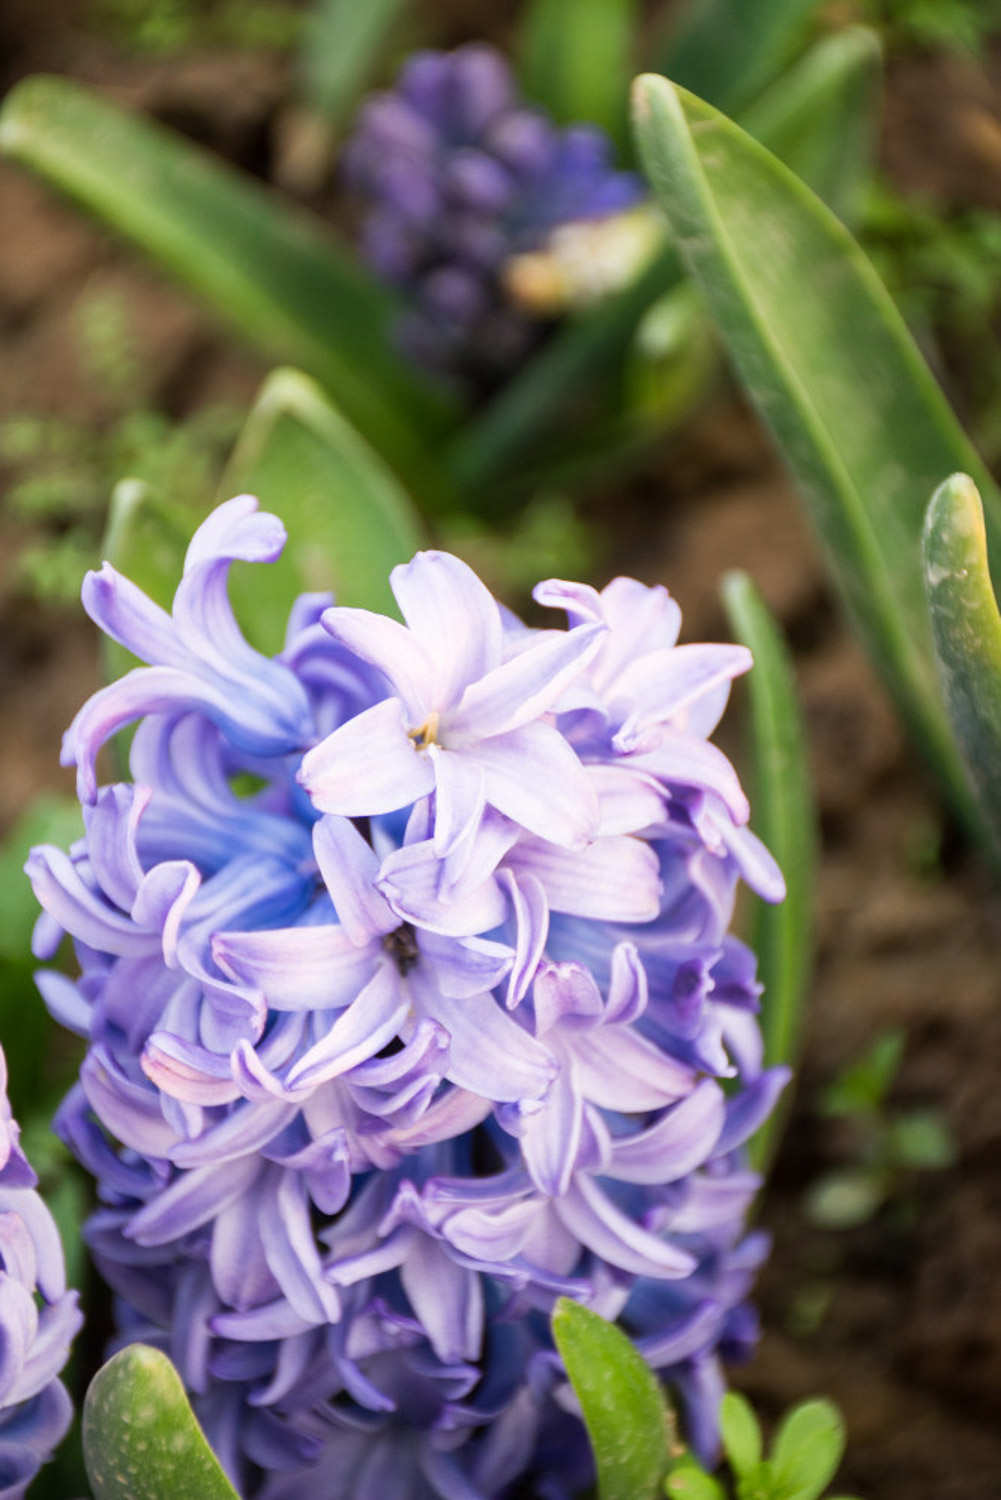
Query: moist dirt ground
[[898, 1320]]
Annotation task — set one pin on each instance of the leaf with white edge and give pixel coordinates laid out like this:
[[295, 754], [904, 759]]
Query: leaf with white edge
[[274, 273], [835, 374], [348, 518], [140, 1437], [740, 1431], [627, 1418], [786, 819], [966, 628], [728, 50], [807, 1450]]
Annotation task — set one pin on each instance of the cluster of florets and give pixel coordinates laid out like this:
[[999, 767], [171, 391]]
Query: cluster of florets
[[410, 1005], [38, 1317], [457, 176]]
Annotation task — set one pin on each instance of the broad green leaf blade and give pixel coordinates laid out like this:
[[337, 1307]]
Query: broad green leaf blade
[[966, 628], [833, 371], [274, 274], [820, 117], [576, 60], [140, 1437], [786, 819], [492, 446], [740, 1432], [342, 40], [728, 50], [807, 1450], [689, 1482], [627, 1418], [349, 521]]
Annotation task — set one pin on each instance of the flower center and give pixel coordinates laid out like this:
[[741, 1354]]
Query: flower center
[[426, 734], [401, 945]]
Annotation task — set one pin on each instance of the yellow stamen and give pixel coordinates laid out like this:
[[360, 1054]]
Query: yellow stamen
[[426, 734]]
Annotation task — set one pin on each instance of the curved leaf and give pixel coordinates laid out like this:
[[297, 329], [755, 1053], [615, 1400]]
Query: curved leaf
[[140, 1437], [966, 628], [728, 50], [834, 373], [274, 274], [741, 1433], [627, 1418], [785, 817], [807, 1450]]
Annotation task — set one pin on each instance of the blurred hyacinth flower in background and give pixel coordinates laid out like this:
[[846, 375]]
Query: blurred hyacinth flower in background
[[458, 177], [409, 1002], [39, 1317]]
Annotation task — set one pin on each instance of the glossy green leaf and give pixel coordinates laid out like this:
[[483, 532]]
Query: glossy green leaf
[[342, 40], [627, 1418], [807, 1450], [833, 371], [728, 50], [273, 273], [740, 1432], [966, 628], [349, 521], [576, 59], [820, 117], [140, 1437], [785, 818]]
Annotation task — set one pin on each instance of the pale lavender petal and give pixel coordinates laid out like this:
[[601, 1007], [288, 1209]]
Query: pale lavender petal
[[684, 1338], [462, 967], [683, 760], [620, 1070], [130, 1111], [662, 684], [565, 992], [750, 1108], [349, 867], [594, 1219], [613, 880], [453, 616], [297, 968], [535, 778], [627, 990], [80, 910], [367, 1025], [714, 1201], [490, 1054], [192, 1199], [530, 911], [411, 878], [393, 649], [240, 1272], [368, 766], [459, 798], [550, 1135], [290, 1249], [682, 1139], [111, 823], [187, 1071], [630, 801], [446, 1298], [754, 862], [523, 688]]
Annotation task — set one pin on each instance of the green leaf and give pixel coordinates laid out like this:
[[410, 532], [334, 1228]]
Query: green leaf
[[348, 519], [846, 1198], [785, 818], [862, 1086], [140, 1437], [966, 628], [807, 1449], [820, 117], [688, 1482], [342, 40], [273, 273], [576, 60], [740, 1432], [921, 1139], [834, 373], [627, 1418], [728, 50]]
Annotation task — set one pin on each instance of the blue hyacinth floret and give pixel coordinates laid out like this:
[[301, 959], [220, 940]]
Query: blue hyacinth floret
[[456, 175], [410, 1005], [39, 1317]]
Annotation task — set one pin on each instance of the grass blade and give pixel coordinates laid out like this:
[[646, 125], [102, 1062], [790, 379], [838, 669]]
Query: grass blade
[[342, 40]]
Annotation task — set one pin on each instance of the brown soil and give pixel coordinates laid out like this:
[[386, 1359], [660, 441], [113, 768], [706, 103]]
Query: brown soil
[[905, 1327]]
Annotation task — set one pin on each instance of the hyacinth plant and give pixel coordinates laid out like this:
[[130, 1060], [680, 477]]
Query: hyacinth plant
[[410, 1005]]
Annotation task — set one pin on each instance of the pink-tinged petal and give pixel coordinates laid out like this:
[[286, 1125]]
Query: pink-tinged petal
[[589, 1214], [620, 1070], [186, 1071], [368, 766], [612, 880], [523, 688], [368, 1025], [630, 801], [530, 911], [297, 968], [411, 878], [459, 798], [349, 867], [490, 1054], [550, 1136], [452, 1115], [627, 989], [535, 778], [447, 1300], [662, 685], [192, 1199], [81, 911], [453, 616], [681, 1140], [393, 649], [462, 967], [683, 760]]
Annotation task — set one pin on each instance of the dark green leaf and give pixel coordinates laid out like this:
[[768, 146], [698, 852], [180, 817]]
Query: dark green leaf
[[807, 1449], [966, 628], [576, 60], [862, 1086], [785, 817], [833, 371], [342, 40], [627, 1419], [273, 273], [348, 519], [740, 1432], [140, 1437], [728, 50]]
